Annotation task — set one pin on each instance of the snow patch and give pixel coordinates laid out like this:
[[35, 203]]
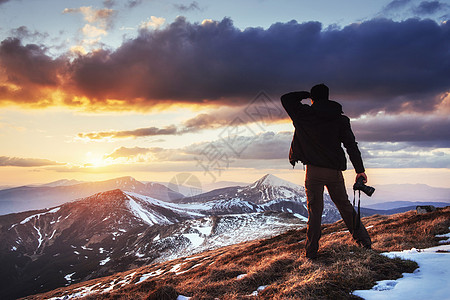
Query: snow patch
[[103, 262], [429, 281], [68, 277], [53, 234], [144, 277], [299, 216], [148, 217], [259, 289], [40, 238], [194, 238], [38, 215]]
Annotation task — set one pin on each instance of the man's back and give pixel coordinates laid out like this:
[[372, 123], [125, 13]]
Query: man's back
[[319, 131]]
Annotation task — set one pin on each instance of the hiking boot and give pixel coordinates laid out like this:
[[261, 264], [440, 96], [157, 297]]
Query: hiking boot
[[311, 256]]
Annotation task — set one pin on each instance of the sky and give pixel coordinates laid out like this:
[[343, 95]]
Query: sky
[[93, 90]]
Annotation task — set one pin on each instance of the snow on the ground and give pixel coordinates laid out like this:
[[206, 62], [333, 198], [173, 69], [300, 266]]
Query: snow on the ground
[[430, 281], [103, 262], [447, 235], [38, 215], [259, 289], [144, 277], [194, 238]]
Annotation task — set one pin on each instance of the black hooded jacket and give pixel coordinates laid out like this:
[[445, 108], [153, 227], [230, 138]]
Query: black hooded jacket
[[320, 129]]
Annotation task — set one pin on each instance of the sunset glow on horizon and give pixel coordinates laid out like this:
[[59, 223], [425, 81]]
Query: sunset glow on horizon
[[95, 90]]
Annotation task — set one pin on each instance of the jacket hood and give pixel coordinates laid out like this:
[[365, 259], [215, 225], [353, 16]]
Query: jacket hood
[[327, 109]]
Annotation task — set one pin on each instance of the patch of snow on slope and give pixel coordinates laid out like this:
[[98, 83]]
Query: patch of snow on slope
[[429, 281], [103, 262], [186, 209], [144, 277], [146, 216], [40, 238], [68, 277], [195, 239], [27, 219]]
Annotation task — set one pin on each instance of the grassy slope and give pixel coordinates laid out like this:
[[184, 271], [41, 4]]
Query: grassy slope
[[279, 264]]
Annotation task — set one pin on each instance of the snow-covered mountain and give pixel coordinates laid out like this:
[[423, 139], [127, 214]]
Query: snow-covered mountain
[[114, 231], [269, 193]]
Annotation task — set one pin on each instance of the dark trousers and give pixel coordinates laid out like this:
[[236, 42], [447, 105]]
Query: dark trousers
[[316, 179]]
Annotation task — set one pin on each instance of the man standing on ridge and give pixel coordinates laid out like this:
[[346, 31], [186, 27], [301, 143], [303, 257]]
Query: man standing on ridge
[[320, 129]]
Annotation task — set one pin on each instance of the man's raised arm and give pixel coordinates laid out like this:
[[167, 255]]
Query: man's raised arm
[[292, 103]]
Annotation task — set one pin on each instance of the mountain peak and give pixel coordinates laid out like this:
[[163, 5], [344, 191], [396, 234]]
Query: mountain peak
[[272, 180]]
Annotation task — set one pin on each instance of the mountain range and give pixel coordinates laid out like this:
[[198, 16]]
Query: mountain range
[[117, 230], [132, 224]]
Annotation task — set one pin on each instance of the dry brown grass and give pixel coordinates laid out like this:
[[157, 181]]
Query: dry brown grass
[[279, 264]]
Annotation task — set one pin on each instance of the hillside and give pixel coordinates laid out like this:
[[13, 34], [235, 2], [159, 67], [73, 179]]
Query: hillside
[[275, 268], [116, 231]]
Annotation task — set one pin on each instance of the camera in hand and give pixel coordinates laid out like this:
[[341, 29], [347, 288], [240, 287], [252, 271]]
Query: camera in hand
[[360, 186]]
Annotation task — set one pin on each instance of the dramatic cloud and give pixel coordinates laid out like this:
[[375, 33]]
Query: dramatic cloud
[[28, 75], [377, 65], [6, 161]]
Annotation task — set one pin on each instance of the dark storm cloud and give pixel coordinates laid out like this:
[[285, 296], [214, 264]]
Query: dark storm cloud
[[27, 73], [6, 161], [385, 64], [375, 65]]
